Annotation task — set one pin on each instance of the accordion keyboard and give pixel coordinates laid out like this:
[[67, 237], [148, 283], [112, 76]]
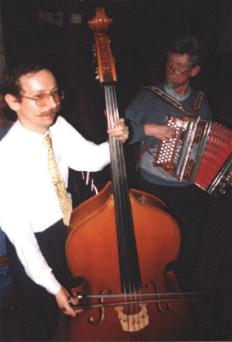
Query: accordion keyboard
[[168, 151]]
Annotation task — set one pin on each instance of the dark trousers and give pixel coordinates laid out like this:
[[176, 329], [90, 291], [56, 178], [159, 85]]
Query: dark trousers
[[38, 307], [189, 206], [213, 273]]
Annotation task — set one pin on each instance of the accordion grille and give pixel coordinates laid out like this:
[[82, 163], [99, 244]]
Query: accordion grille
[[217, 150]]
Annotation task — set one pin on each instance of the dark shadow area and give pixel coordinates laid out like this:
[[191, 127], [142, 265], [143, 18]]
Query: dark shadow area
[[56, 32]]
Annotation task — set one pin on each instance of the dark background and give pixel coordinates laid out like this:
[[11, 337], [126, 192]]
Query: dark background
[[56, 32], [43, 30]]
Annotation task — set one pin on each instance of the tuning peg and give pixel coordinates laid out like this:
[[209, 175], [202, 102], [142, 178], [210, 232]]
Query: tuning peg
[[97, 74], [94, 50]]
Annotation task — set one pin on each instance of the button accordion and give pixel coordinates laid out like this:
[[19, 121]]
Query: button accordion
[[200, 152]]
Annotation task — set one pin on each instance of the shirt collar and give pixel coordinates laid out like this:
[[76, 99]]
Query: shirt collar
[[27, 133]]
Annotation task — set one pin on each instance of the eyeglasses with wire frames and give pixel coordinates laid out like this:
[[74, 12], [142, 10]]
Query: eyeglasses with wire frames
[[42, 99], [178, 69]]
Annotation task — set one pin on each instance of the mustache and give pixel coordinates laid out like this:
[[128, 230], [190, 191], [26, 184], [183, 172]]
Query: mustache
[[50, 112]]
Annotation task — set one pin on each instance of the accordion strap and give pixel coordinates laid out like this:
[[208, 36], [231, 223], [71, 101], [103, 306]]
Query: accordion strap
[[197, 102], [171, 100]]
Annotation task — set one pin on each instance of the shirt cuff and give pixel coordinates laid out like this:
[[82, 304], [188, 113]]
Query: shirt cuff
[[53, 286]]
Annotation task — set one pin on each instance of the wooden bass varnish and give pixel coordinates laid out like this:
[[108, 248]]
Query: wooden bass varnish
[[122, 243]]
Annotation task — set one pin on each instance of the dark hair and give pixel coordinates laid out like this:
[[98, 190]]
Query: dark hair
[[11, 83], [190, 45]]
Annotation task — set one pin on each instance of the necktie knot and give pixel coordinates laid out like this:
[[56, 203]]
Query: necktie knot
[[47, 140]]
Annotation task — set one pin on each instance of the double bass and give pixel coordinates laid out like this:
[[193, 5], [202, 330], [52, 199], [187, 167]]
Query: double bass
[[122, 242]]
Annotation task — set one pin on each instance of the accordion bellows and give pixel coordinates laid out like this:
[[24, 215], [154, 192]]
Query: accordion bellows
[[200, 152]]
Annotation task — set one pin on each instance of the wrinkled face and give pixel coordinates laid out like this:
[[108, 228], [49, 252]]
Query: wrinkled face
[[179, 70], [33, 114]]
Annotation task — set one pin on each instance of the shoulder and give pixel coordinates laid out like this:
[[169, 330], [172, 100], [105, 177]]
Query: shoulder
[[63, 131], [205, 110], [7, 134], [146, 94], [60, 122], [61, 126], [11, 142], [3, 131], [152, 89], [197, 93]]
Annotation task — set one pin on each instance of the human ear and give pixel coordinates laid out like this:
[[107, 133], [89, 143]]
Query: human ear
[[195, 70], [12, 101]]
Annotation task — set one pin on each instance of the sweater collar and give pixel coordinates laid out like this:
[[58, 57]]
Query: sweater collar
[[173, 93]]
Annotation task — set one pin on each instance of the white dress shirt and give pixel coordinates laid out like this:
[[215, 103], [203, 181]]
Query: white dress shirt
[[28, 202]]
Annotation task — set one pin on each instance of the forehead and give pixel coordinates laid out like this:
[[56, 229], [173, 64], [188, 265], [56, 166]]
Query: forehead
[[182, 59], [42, 80]]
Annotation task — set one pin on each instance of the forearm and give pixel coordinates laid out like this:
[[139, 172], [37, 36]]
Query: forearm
[[161, 132]]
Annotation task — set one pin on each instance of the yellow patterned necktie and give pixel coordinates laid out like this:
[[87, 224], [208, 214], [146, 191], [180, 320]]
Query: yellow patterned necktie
[[58, 182]]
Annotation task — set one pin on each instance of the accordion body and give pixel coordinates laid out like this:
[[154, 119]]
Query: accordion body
[[200, 152]]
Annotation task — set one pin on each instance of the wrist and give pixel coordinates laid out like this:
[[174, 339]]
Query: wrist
[[149, 129], [146, 129]]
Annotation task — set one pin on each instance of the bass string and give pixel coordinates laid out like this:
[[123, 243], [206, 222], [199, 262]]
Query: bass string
[[127, 245]]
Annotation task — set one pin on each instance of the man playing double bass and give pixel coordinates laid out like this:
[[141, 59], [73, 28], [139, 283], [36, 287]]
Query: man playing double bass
[[31, 213]]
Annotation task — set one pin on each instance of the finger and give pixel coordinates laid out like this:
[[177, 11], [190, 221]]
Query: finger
[[69, 311], [119, 123], [73, 301], [117, 131]]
